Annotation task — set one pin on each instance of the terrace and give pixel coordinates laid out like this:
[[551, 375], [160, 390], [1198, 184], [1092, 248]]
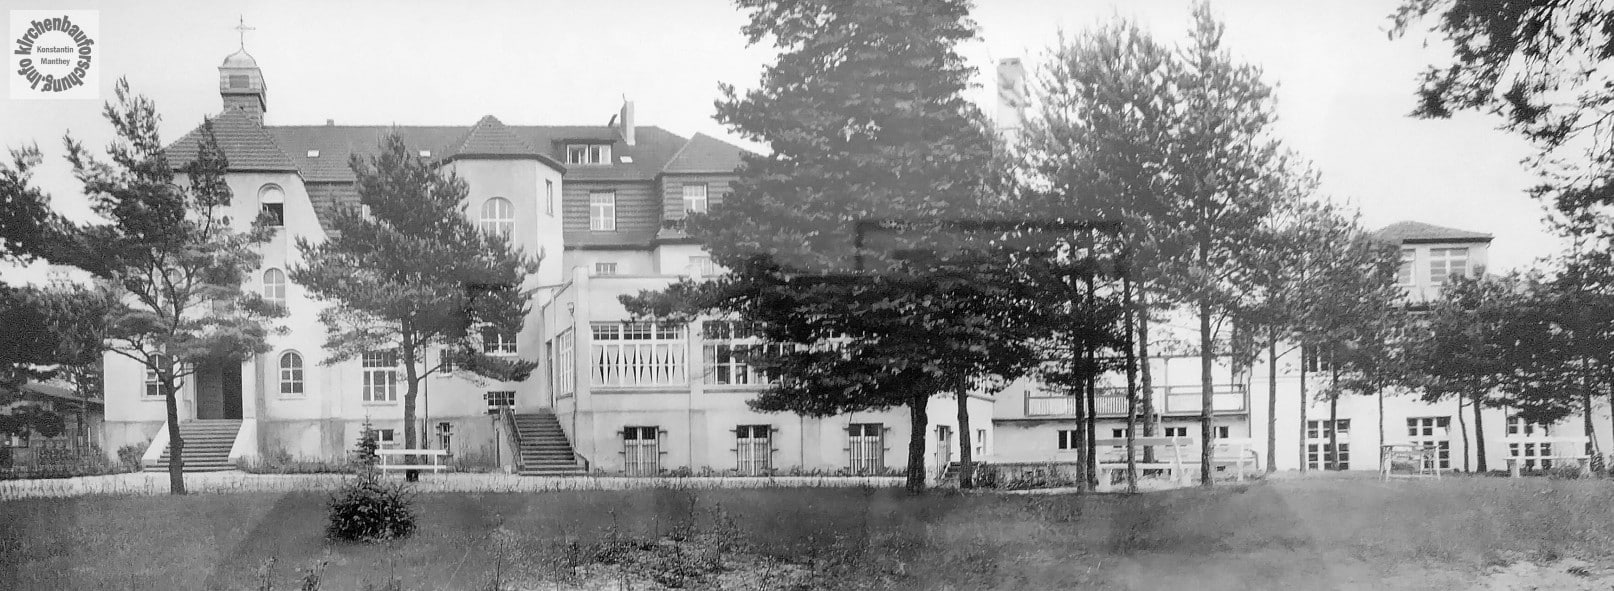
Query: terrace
[[1111, 402]]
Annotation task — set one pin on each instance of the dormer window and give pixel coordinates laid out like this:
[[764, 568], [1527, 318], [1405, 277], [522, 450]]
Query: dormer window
[[588, 154]]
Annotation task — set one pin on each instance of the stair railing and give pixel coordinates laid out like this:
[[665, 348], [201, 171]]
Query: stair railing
[[509, 419]]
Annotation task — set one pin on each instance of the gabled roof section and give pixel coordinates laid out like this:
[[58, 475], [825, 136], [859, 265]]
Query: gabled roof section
[[489, 138], [1418, 232], [245, 143], [704, 153]]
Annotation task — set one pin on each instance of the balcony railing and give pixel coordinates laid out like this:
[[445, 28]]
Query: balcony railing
[[1187, 399], [1111, 402]]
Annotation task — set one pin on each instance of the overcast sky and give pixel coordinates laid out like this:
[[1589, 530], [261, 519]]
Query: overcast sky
[[1344, 88]]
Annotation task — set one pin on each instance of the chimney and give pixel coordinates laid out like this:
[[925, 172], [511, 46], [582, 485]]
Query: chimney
[[626, 119], [330, 123], [1011, 95]]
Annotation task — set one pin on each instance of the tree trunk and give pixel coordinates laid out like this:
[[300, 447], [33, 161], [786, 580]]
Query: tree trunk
[[1080, 407], [1131, 384], [1305, 403], [1380, 393], [1206, 397], [1090, 354], [1586, 415], [176, 444], [1479, 436], [1272, 400], [1145, 376], [1333, 414], [409, 406], [966, 460], [1462, 423], [917, 423]]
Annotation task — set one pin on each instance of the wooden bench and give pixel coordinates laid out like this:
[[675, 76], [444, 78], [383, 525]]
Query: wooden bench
[[1172, 467], [1563, 448], [433, 459]]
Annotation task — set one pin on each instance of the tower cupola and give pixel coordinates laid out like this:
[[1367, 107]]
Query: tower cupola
[[241, 81]]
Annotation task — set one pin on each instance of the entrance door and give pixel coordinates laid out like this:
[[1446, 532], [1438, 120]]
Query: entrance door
[[944, 445], [218, 390]]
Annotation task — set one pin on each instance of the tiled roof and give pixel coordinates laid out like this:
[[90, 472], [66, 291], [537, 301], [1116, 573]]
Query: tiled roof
[[490, 138], [321, 155], [246, 145], [704, 153], [336, 143], [1410, 231]]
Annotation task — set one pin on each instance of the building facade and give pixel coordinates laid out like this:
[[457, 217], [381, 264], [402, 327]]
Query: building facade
[[1034, 424], [597, 204]]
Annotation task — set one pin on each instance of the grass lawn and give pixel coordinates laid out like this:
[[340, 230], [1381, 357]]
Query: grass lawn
[[1321, 533]]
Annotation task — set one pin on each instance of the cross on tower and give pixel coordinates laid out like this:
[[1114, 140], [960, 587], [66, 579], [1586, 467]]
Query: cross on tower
[[243, 28]]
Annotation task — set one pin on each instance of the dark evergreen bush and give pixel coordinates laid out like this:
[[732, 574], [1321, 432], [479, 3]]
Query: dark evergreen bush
[[368, 508]]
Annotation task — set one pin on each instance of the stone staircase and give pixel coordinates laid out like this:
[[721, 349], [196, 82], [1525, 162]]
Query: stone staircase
[[544, 448], [207, 446]]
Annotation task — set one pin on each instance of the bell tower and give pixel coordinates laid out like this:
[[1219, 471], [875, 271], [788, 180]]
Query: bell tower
[[241, 82]]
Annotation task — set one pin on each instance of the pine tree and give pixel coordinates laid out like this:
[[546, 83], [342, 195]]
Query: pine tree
[[409, 271], [845, 241], [177, 261]]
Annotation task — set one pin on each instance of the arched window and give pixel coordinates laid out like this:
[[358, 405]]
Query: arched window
[[273, 200], [291, 374], [274, 286], [498, 216]]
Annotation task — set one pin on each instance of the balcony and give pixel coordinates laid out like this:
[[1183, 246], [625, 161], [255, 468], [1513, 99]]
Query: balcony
[[1111, 402]]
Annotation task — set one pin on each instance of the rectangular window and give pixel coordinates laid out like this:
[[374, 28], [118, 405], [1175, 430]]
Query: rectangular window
[[1435, 432], [380, 377], [1176, 431], [445, 436], [695, 198], [154, 387], [1068, 440], [642, 448], [639, 354], [701, 267], [588, 154], [1403, 274], [385, 438], [274, 214], [1447, 262], [602, 211], [604, 268], [565, 363], [980, 443], [549, 197], [1316, 360], [729, 347], [499, 399], [1518, 427], [1222, 431], [445, 363], [1319, 450], [866, 448], [496, 342], [753, 449]]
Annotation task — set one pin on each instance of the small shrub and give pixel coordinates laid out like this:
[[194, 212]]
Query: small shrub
[[679, 472], [129, 455], [367, 508]]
